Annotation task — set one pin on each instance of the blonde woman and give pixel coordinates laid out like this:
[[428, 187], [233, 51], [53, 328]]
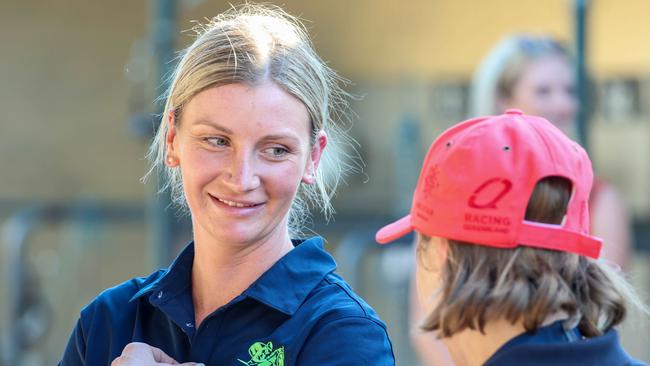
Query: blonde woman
[[244, 145], [506, 271]]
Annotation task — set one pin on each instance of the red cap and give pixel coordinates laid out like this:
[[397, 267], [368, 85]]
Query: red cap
[[478, 177]]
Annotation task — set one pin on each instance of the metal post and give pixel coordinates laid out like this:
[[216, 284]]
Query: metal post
[[407, 163], [582, 82], [162, 218]]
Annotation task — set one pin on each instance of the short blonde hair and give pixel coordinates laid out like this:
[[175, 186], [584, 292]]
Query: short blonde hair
[[498, 73], [481, 283], [251, 44]]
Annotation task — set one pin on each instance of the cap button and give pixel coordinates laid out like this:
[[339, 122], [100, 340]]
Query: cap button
[[514, 111]]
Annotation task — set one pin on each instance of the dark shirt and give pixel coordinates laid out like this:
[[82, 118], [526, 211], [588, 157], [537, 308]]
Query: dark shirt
[[553, 345], [299, 312]]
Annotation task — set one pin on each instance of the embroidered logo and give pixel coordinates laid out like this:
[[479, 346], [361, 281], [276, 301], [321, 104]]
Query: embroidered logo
[[490, 193], [431, 181], [487, 196], [263, 354]]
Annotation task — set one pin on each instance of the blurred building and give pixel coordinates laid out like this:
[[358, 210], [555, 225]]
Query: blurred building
[[76, 82]]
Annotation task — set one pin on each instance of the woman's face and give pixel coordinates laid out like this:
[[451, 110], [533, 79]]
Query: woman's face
[[430, 257], [243, 151], [546, 88]]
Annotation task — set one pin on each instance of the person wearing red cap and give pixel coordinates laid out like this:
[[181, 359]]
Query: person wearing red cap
[[535, 73], [506, 268]]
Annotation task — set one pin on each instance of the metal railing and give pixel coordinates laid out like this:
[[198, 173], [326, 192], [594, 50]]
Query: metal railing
[[27, 315]]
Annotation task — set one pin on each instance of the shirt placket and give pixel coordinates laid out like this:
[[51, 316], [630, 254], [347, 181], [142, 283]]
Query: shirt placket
[[208, 344]]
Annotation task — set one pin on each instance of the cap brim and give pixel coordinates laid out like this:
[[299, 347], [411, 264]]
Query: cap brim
[[395, 230]]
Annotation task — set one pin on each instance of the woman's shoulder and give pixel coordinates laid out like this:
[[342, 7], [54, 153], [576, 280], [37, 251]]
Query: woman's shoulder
[[334, 299], [342, 323], [105, 325], [315, 287], [117, 298]]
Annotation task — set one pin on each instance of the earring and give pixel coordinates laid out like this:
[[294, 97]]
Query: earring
[[170, 160]]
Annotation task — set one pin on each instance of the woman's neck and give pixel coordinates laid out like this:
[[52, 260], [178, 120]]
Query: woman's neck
[[473, 348], [222, 271]]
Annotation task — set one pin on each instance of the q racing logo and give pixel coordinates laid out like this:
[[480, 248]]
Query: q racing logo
[[488, 194], [486, 197]]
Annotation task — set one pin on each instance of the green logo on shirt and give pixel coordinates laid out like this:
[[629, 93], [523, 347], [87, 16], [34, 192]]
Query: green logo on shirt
[[263, 354]]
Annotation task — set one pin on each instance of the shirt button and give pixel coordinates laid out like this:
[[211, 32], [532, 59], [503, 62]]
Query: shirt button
[[189, 325], [160, 294]]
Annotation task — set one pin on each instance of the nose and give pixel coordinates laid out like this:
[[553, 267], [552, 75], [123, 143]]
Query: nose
[[563, 108], [566, 106], [568, 100], [241, 173]]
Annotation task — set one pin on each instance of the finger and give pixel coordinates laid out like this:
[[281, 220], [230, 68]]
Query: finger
[[161, 357], [123, 361], [117, 361]]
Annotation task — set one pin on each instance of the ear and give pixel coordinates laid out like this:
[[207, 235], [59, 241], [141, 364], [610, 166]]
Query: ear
[[309, 177], [432, 253], [171, 158], [443, 252]]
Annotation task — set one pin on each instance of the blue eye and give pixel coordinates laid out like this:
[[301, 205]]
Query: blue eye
[[542, 91], [217, 141], [571, 90], [276, 152]]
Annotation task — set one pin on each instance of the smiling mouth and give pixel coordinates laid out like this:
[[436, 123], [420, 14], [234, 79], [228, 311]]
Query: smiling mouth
[[236, 204]]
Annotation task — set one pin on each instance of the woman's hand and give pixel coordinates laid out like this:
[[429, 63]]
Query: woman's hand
[[142, 354]]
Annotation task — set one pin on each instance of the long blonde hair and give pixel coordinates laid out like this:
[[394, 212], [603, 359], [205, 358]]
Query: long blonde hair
[[250, 44]]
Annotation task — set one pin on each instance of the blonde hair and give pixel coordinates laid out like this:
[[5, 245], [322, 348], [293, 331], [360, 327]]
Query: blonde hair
[[498, 73], [527, 285], [251, 44]]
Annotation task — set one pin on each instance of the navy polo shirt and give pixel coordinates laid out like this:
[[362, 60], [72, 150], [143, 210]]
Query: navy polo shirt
[[553, 345], [299, 312]]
